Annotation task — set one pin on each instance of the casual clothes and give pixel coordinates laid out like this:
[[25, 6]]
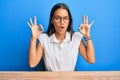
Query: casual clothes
[[60, 56]]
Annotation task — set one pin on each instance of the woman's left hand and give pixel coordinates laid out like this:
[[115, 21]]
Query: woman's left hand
[[85, 28]]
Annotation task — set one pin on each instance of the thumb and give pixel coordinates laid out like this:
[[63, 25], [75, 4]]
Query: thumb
[[81, 26], [82, 32]]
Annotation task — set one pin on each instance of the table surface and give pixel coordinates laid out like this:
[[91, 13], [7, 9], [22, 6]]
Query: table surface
[[79, 75]]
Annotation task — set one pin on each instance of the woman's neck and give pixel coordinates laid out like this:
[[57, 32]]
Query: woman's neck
[[60, 36]]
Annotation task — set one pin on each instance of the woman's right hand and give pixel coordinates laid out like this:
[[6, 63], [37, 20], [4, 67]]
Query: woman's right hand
[[36, 30]]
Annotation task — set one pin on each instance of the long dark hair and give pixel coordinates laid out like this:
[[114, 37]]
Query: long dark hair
[[51, 28]]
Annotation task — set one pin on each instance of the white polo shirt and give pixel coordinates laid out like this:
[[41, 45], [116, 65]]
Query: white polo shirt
[[60, 56]]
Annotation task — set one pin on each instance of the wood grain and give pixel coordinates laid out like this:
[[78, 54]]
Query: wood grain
[[82, 75]]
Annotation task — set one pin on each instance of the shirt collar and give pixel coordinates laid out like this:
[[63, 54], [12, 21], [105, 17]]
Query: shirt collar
[[54, 39]]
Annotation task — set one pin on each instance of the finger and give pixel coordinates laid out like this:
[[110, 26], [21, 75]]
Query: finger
[[80, 27], [40, 27], [31, 23], [86, 19], [91, 23], [83, 19], [35, 20]]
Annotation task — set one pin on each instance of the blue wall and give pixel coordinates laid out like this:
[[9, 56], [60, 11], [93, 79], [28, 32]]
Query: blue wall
[[15, 34]]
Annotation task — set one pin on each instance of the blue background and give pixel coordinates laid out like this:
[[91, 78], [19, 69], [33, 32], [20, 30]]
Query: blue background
[[15, 34]]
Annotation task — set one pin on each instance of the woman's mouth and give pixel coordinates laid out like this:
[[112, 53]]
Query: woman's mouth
[[61, 28]]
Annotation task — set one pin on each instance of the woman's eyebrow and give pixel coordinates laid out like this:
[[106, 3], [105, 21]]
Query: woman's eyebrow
[[60, 16]]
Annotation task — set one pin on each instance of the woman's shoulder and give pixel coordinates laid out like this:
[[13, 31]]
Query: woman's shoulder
[[44, 34]]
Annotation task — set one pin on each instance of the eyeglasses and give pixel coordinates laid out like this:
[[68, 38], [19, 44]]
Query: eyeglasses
[[59, 19]]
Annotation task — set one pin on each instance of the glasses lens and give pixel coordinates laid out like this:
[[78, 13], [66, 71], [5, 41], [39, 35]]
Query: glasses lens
[[58, 19], [66, 19]]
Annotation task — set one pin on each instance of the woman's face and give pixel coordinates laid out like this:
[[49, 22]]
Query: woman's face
[[61, 20]]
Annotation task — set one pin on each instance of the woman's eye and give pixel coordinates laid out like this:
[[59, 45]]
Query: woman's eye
[[66, 18], [58, 18]]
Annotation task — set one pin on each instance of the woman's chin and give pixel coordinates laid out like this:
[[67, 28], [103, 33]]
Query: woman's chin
[[61, 31]]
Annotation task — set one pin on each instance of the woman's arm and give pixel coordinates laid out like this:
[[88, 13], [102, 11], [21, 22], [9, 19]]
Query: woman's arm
[[87, 51], [35, 53]]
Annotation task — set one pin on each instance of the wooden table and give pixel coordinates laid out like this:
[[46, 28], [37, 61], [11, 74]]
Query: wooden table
[[81, 75]]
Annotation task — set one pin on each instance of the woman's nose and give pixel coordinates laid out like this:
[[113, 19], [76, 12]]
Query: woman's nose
[[62, 20]]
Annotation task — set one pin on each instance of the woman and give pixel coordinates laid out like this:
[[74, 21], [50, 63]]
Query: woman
[[60, 45]]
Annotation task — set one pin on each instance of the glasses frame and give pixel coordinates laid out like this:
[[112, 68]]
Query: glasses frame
[[61, 18]]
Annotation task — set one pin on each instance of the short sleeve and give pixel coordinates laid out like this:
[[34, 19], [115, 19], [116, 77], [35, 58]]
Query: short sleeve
[[78, 37], [41, 38]]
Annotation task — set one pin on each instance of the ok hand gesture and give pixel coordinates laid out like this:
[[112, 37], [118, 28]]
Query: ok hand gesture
[[34, 28], [85, 27]]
